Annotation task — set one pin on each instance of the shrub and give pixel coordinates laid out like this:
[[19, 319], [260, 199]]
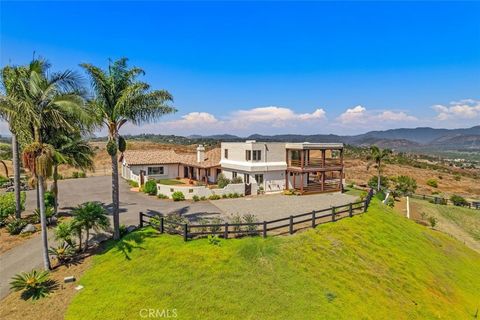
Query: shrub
[[432, 183], [162, 196], [237, 179], [7, 204], [459, 201], [49, 199], [133, 184], [174, 221], [404, 185], [178, 196], [35, 284], [214, 197], [216, 225], [15, 226], [222, 181], [213, 239], [250, 218], [288, 192], [196, 198], [224, 196], [75, 174], [363, 195], [150, 187], [433, 221], [390, 202], [82, 174], [123, 230], [203, 198], [235, 219], [457, 177], [235, 195], [65, 232], [49, 213], [384, 182], [63, 253], [230, 195], [380, 195]]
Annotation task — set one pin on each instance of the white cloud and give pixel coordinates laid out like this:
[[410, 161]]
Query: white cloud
[[395, 116], [354, 115], [463, 109]]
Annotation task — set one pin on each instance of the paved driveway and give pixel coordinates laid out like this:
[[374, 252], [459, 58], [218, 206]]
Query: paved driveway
[[271, 207], [73, 192]]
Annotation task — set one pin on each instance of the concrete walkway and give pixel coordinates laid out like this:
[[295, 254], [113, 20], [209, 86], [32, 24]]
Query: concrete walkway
[[73, 192]]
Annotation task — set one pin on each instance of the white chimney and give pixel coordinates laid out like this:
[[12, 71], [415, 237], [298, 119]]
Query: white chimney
[[200, 153]]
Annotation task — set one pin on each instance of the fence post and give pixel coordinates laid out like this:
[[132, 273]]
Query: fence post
[[333, 214], [313, 219], [350, 210], [140, 217], [365, 206], [291, 224], [225, 233], [185, 232], [264, 229], [161, 225]]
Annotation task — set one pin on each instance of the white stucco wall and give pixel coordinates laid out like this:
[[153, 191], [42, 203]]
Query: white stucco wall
[[201, 191]]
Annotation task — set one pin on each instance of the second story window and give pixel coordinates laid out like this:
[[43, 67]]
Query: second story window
[[225, 153], [257, 155], [248, 155]]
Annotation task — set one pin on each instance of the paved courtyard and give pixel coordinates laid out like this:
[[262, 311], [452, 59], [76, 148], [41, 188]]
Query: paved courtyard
[[270, 207]]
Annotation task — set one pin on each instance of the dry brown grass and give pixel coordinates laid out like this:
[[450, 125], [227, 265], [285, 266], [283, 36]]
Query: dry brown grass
[[8, 241], [356, 171]]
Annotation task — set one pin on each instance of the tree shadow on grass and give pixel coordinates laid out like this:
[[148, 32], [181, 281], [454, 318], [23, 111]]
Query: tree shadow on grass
[[132, 241]]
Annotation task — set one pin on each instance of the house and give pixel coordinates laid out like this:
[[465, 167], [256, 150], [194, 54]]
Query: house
[[269, 166], [141, 165], [276, 166]]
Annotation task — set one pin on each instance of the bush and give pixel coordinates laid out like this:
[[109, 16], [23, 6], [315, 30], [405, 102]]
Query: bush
[[65, 232], [390, 202], [162, 196], [178, 196], [7, 204], [49, 213], [236, 219], [214, 197], [235, 195], [49, 199], [459, 201], [432, 183], [433, 221], [250, 218], [63, 252], [123, 230], [35, 284], [203, 198], [384, 182], [196, 198], [224, 196], [457, 177], [380, 195], [237, 179], [222, 181], [216, 225], [82, 174], [150, 187], [133, 184], [174, 221], [213, 239], [15, 226]]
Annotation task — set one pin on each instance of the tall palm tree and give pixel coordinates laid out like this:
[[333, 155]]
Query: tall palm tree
[[375, 158], [48, 101], [120, 97]]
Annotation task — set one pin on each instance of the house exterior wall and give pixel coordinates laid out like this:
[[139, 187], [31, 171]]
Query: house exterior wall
[[170, 171], [202, 191]]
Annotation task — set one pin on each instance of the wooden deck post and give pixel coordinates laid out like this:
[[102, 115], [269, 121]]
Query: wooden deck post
[[313, 219], [140, 217], [264, 229], [291, 225], [301, 182]]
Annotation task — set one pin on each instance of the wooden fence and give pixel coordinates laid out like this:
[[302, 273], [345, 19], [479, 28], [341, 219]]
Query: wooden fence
[[278, 226], [445, 201]]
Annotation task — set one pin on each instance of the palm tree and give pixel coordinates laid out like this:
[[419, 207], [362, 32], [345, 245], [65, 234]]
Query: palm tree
[[48, 101], [5, 154], [375, 158], [118, 98], [91, 215]]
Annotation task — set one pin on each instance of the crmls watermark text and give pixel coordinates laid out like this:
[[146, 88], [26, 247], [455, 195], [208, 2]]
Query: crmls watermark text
[[158, 313]]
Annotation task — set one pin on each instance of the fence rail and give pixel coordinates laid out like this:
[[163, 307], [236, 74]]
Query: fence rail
[[310, 219], [446, 201]]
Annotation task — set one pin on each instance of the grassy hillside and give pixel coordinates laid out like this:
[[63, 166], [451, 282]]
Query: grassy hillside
[[375, 266]]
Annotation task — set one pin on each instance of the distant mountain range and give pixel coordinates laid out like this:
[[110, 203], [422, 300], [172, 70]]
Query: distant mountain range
[[400, 139]]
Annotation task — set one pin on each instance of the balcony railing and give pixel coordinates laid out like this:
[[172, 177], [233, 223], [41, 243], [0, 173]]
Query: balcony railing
[[315, 163]]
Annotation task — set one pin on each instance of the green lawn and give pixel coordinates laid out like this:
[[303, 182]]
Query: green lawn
[[375, 266], [169, 181]]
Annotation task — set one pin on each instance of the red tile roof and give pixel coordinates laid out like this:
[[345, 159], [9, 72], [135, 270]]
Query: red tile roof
[[153, 157]]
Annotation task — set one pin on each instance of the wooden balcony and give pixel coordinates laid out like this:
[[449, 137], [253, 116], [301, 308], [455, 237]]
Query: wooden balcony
[[315, 164]]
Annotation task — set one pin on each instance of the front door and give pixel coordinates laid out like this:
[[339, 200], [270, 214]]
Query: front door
[[248, 189]]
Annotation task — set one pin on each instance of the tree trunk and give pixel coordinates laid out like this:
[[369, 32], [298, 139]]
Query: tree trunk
[[43, 220], [55, 189], [378, 179], [115, 198], [38, 195], [79, 234], [16, 176], [86, 240]]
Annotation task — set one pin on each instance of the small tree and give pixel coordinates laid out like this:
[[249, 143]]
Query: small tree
[[91, 215], [404, 185], [384, 183], [433, 221], [222, 181], [150, 187], [432, 183], [376, 158], [459, 201]]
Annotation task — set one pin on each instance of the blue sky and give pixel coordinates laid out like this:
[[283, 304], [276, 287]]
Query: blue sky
[[271, 67]]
